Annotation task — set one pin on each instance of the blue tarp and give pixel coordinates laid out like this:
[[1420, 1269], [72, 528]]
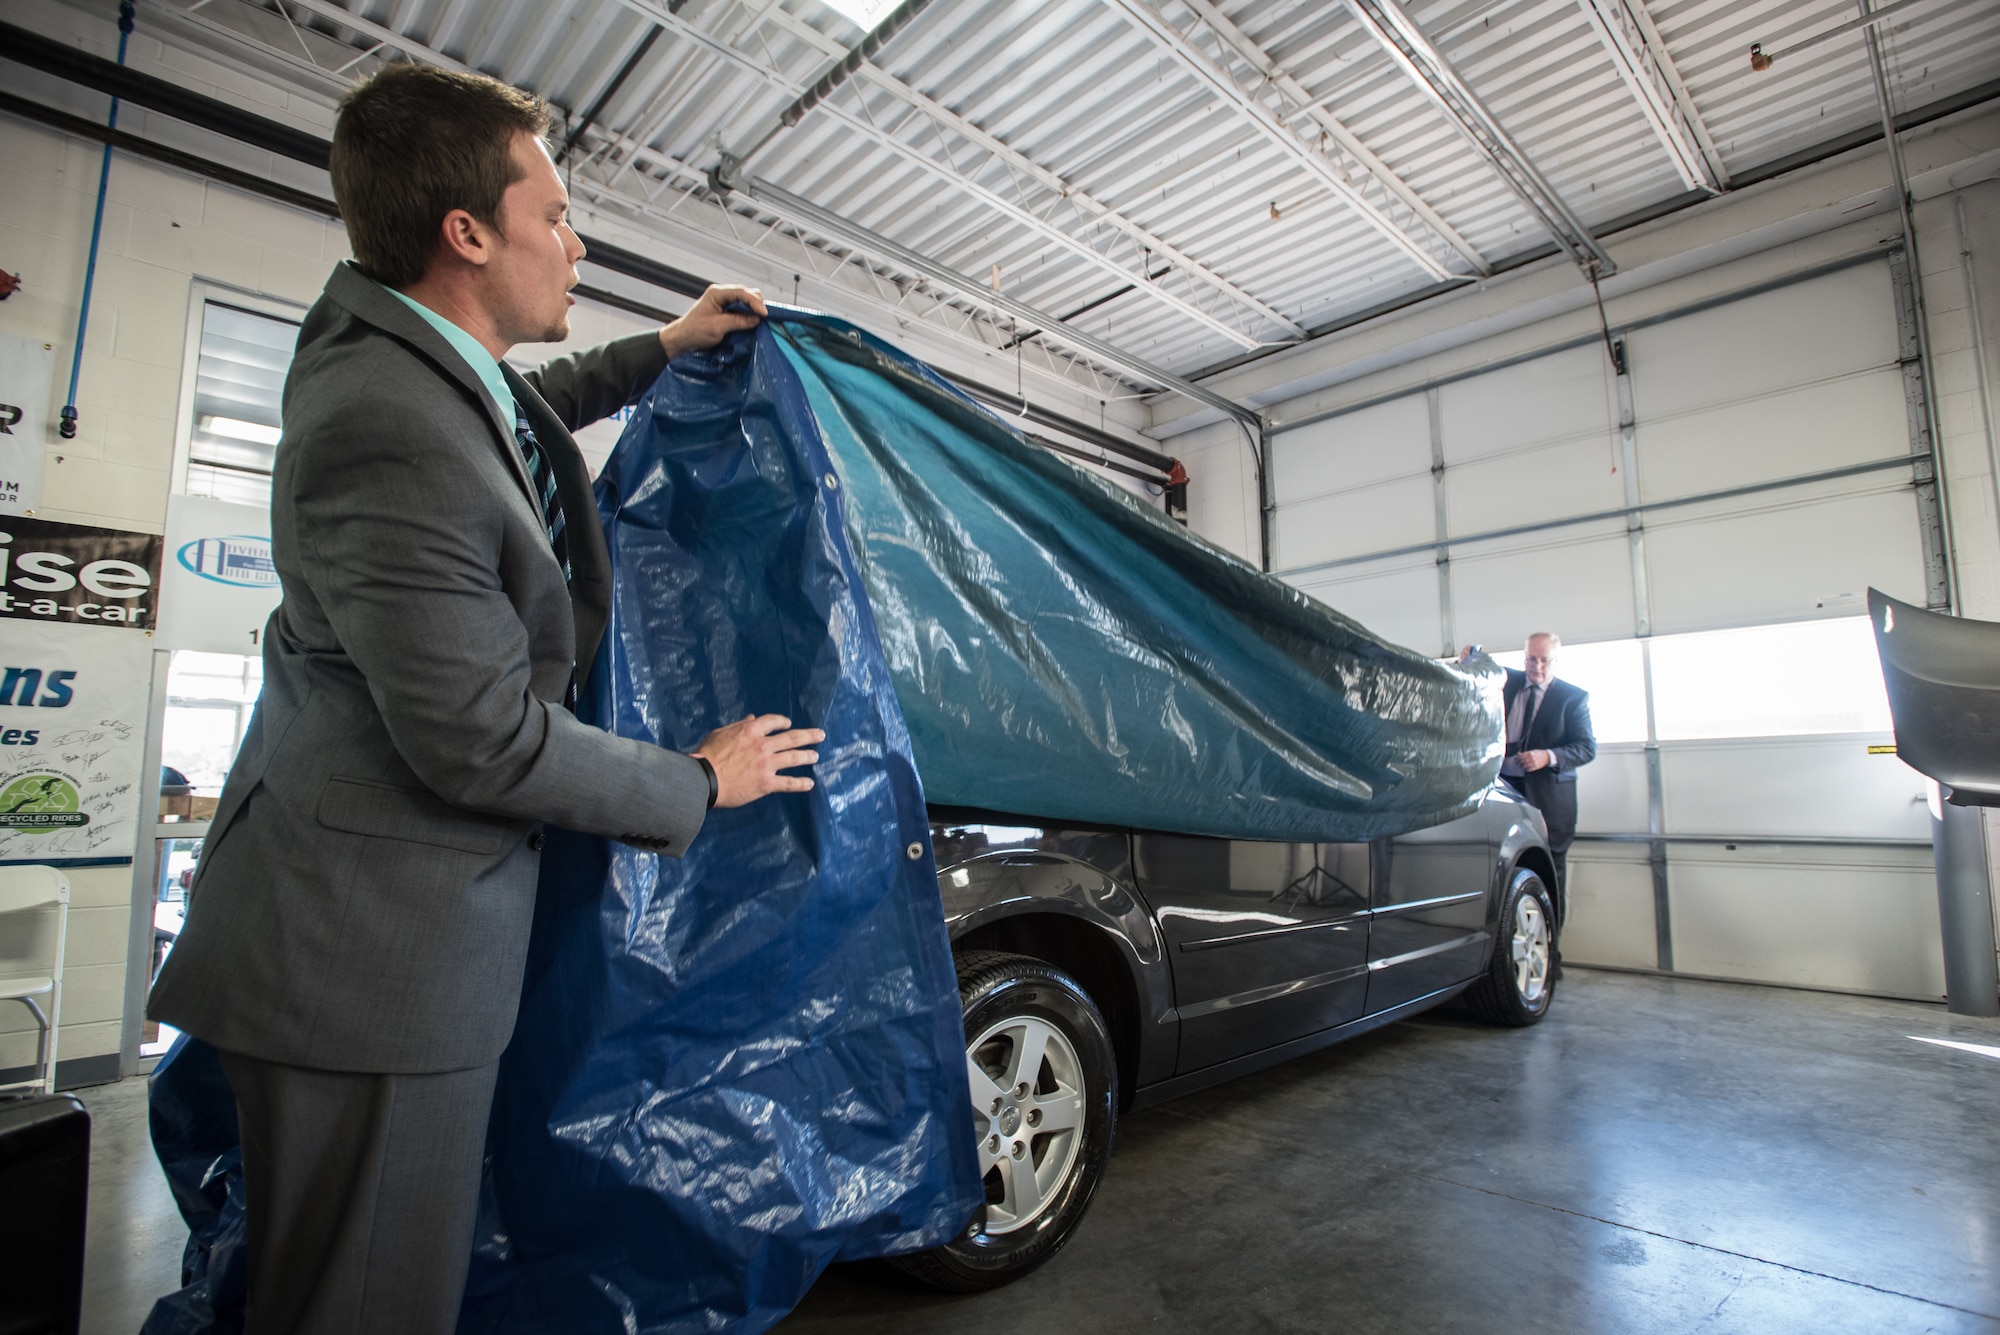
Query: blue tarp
[[734, 1068], [192, 1116]]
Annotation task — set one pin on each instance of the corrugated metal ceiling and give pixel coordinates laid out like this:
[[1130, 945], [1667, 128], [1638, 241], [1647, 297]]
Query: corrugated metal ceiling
[[1072, 152]]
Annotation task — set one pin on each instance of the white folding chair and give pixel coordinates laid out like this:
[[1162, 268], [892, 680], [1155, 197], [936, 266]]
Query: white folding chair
[[26, 893]]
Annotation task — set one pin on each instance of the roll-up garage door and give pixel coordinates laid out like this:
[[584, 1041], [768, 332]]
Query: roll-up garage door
[[1756, 466], [1800, 381]]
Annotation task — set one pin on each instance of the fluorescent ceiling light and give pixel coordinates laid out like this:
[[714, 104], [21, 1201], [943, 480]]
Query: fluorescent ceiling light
[[864, 14], [237, 429]]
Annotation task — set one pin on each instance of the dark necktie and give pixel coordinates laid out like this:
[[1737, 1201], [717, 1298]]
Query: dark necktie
[[543, 479], [1529, 709]]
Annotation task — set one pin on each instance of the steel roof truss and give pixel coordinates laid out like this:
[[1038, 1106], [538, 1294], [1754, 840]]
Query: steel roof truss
[[1406, 44], [1641, 59], [1388, 191], [1060, 197], [1186, 303], [1062, 210], [1045, 225], [1188, 53]]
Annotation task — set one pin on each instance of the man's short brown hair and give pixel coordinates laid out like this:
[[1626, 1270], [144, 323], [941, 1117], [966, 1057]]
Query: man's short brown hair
[[412, 144]]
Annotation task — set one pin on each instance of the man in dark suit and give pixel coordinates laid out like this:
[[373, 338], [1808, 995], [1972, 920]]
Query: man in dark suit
[[357, 930], [1548, 740]]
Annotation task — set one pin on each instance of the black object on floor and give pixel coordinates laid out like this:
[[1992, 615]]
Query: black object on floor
[[45, 1182]]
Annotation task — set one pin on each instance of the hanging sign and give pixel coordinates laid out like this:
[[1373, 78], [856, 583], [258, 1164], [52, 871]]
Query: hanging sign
[[72, 741], [218, 585], [71, 574], [27, 370]]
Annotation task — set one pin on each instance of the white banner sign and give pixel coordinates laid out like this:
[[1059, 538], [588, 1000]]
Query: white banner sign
[[217, 583], [27, 371], [72, 741]]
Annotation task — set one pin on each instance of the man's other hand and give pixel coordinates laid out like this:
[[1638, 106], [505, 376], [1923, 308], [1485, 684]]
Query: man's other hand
[[707, 323], [749, 753], [1534, 760]]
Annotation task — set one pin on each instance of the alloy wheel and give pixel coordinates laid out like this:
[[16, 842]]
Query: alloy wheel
[[1028, 1100], [1530, 949]]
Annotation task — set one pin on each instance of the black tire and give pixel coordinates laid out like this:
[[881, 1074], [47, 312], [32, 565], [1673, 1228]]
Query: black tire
[[1012, 997], [1508, 994]]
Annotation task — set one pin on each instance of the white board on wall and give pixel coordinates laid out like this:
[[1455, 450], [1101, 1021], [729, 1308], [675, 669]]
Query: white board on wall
[[218, 584], [72, 740], [27, 374]]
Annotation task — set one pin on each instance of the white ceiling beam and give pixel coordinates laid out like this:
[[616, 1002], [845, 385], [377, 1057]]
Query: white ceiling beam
[[1064, 190], [1308, 158], [382, 36], [1640, 57], [999, 203], [1096, 210], [1365, 164], [1412, 52], [1088, 211]]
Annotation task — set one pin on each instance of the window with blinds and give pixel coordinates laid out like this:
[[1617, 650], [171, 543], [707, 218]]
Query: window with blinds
[[234, 437]]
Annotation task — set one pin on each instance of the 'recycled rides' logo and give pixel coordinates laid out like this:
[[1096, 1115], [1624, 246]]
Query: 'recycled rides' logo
[[39, 802]]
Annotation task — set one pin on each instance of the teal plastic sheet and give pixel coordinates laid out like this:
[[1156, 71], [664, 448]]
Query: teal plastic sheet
[[1061, 649]]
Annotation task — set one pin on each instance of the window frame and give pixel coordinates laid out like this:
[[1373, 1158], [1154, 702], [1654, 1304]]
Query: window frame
[[200, 292]]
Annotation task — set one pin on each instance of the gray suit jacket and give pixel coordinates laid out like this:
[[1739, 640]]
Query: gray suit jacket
[[1561, 725], [365, 892]]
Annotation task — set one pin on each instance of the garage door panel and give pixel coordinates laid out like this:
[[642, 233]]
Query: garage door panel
[[1804, 786], [1577, 583], [1353, 450], [1806, 918], [1611, 793], [1757, 564], [1611, 917], [1807, 430], [1396, 601], [1550, 398], [1355, 523], [1833, 325], [1552, 481]]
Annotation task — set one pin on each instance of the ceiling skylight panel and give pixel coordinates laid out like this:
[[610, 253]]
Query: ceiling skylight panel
[[863, 14]]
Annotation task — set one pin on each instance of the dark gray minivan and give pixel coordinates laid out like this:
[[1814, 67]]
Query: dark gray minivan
[[1103, 970]]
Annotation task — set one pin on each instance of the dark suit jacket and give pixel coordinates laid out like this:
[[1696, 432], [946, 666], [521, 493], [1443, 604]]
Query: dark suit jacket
[[365, 892], [1562, 724]]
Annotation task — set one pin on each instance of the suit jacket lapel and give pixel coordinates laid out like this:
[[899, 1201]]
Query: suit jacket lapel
[[589, 558], [370, 301]]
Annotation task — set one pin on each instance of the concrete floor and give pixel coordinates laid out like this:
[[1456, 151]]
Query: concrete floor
[[1660, 1155]]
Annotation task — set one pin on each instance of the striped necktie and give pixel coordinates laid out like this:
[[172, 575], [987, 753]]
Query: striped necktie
[[543, 478]]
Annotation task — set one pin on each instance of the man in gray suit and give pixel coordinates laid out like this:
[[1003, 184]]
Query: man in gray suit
[[357, 929]]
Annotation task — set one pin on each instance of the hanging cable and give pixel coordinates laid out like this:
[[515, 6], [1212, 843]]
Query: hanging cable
[[127, 14]]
